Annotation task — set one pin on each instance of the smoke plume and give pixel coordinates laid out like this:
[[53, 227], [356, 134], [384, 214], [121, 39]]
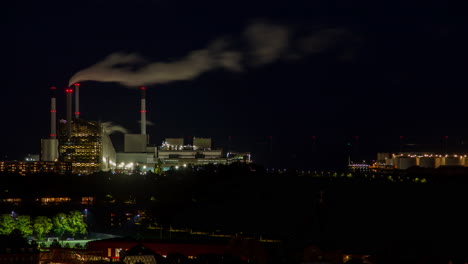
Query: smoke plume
[[148, 123], [265, 43], [110, 128]]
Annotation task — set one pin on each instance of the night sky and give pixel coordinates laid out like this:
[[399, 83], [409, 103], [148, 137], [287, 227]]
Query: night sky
[[332, 69]]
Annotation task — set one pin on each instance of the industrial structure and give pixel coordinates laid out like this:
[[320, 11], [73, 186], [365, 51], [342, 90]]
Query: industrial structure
[[83, 143], [82, 146], [174, 153], [87, 147], [137, 153], [49, 146], [406, 160], [28, 167]]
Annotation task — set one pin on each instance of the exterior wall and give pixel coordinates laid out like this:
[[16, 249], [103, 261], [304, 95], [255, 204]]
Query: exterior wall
[[49, 149], [131, 157], [167, 163], [390, 162], [383, 156], [153, 150], [84, 148], [135, 143], [404, 163], [109, 157], [28, 167], [179, 158], [175, 141], [202, 143], [428, 162], [452, 161], [189, 154], [89, 148]]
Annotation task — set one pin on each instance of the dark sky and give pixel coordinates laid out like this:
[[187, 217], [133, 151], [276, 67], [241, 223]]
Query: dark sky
[[378, 70]]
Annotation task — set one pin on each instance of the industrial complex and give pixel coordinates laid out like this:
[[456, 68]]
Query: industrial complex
[[83, 146], [406, 160]]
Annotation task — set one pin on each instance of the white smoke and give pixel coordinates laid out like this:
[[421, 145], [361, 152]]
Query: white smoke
[[111, 128], [267, 43], [117, 67], [148, 123], [323, 40]]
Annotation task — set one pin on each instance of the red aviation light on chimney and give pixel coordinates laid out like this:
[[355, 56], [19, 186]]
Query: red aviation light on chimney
[[143, 88], [53, 111], [77, 84], [53, 88], [143, 111], [69, 90], [53, 135], [77, 113]]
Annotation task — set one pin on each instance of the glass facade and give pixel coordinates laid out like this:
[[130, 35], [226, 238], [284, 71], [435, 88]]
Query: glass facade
[[84, 148]]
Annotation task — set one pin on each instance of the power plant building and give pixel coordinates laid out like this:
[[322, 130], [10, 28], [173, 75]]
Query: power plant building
[[83, 144], [173, 153], [403, 161], [87, 147]]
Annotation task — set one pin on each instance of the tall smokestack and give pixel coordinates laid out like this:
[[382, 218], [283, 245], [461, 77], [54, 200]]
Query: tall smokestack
[[53, 113], [77, 100], [143, 110], [69, 94]]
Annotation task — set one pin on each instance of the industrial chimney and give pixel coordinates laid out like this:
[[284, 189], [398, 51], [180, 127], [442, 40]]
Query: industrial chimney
[[49, 146], [53, 113], [137, 143], [77, 100], [69, 94], [143, 110]]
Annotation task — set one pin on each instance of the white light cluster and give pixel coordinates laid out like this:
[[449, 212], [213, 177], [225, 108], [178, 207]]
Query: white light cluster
[[429, 155]]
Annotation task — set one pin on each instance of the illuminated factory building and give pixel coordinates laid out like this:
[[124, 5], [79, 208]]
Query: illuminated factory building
[[174, 153], [89, 148], [82, 143], [137, 153], [85, 147], [403, 161]]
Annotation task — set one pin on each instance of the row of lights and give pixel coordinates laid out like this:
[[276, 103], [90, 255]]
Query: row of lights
[[429, 156]]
